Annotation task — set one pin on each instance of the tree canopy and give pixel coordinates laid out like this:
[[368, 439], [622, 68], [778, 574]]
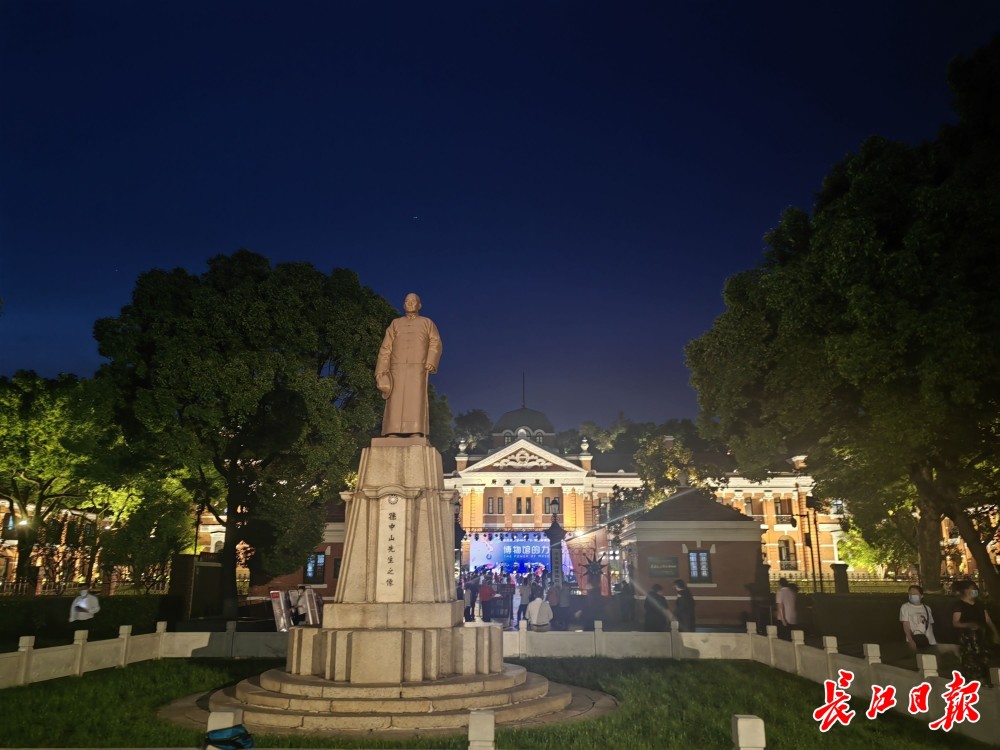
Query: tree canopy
[[255, 383], [866, 339], [40, 471]]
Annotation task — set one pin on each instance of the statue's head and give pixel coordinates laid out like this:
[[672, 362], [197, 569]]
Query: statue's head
[[411, 305]]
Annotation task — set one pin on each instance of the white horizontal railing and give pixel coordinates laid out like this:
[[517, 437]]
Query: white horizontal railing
[[29, 664]]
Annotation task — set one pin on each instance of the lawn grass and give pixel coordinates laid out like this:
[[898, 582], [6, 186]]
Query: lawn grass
[[664, 705]]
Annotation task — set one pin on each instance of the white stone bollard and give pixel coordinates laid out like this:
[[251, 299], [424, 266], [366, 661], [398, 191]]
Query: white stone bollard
[[222, 720], [748, 732], [482, 728]]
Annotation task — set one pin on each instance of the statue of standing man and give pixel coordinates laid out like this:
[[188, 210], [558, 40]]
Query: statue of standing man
[[410, 352]]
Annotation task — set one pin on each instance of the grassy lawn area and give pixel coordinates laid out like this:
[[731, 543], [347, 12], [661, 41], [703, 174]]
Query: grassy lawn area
[[664, 705]]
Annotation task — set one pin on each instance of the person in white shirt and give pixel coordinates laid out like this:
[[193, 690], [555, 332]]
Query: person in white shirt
[[917, 621], [539, 614], [85, 606], [787, 616]]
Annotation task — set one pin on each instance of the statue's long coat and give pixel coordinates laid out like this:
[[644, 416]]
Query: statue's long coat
[[410, 344]]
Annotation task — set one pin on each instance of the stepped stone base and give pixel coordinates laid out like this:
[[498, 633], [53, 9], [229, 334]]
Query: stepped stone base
[[359, 656], [277, 702]]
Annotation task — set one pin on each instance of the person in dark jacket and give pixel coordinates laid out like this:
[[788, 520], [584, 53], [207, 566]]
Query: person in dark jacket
[[656, 609], [684, 607], [971, 620]]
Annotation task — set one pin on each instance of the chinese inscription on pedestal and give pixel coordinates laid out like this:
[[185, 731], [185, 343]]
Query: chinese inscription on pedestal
[[391, 549]]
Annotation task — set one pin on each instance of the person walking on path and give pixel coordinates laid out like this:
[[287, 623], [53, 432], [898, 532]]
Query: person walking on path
[[917, 621], [684, 607], [787, 616], [971, 619]]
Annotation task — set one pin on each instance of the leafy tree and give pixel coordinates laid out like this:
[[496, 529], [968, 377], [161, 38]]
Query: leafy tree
[[568, 441], [474, 427], [442, 434], [600, 439], [39, 475], [147, 540], [866, 338], [256, 382]]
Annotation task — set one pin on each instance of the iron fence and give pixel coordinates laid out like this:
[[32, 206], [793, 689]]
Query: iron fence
[[857, 582]]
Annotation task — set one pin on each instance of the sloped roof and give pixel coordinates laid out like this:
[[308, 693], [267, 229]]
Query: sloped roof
[[696, 505], [529, 418]]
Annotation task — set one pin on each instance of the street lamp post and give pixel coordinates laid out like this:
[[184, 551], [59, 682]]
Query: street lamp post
[[809, 542], [555, 534]]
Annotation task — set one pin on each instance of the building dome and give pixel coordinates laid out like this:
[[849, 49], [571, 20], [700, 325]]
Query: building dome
[[531, 419]]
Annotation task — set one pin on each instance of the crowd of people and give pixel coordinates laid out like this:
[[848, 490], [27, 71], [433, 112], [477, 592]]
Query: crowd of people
[[544, 605], [489, 595]]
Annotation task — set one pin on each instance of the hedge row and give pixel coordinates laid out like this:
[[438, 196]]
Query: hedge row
[[47, 617]]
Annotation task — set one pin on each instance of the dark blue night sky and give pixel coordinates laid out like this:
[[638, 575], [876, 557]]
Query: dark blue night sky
[[566, 184]]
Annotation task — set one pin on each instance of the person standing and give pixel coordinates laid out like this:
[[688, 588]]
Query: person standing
[[298, 605], [656, 609], [84, 607], [971, 619], [486, 595], [524, 592], [917, 621], [410, 352], [467, 597], [565, 600], [539, 614], [787, 615], [684, 607], [627, 600]]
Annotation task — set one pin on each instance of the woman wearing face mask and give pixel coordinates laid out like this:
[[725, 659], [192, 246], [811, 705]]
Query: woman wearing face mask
[[917, 621], [971, 620]]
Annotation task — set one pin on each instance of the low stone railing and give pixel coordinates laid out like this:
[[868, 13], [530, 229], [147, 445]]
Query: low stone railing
[[794, 656], [29, 664]]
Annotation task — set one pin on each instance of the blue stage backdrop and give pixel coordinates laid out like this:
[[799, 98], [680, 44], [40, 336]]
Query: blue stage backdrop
[[515, 552]]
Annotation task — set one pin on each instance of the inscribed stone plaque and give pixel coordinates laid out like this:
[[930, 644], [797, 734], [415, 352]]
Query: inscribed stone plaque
[[391, 548], [663, 567]]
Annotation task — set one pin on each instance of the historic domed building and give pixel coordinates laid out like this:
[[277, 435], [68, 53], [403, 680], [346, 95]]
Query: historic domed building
[[510, 495]]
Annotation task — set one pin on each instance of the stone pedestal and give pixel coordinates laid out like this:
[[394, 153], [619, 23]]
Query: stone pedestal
[[394, 653], [394, 617]]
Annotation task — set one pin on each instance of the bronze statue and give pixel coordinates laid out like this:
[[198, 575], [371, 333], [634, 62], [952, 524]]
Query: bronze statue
[[410, 352]]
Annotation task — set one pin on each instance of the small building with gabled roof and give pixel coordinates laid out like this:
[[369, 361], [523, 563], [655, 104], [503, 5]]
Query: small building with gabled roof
[[713, 548]]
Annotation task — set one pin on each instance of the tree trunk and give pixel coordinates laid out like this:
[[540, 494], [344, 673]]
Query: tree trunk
[[928, 528], [26, 572], [230, 603], [989, 579]]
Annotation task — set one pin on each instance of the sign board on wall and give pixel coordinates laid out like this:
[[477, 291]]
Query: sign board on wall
[[663, 567]]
